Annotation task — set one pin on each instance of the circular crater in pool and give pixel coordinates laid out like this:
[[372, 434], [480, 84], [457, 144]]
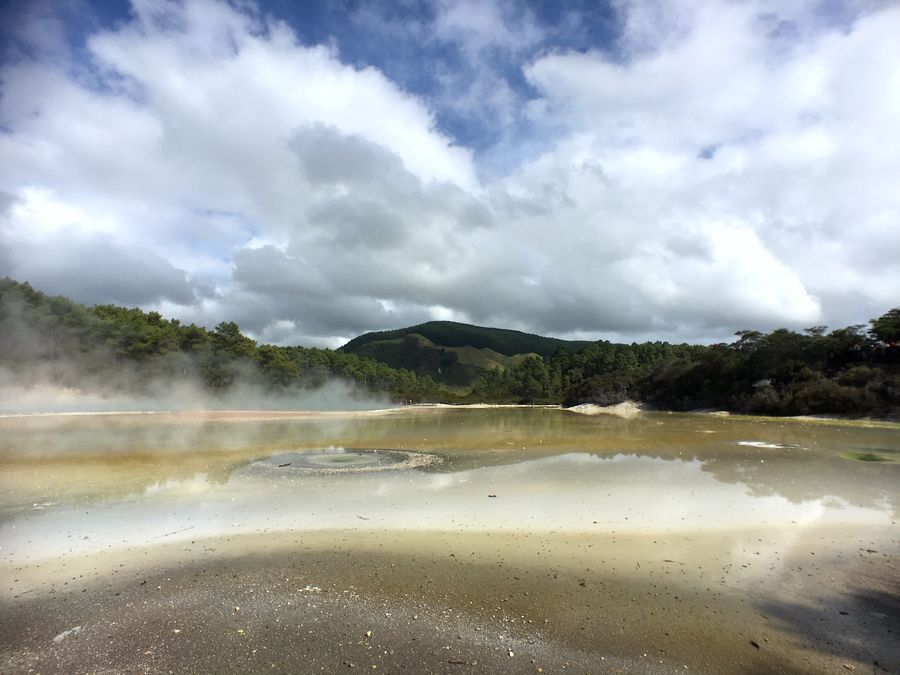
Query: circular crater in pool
[[339, 460]]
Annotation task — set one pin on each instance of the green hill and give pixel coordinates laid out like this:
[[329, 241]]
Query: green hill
[[456, 354], [452, 334]]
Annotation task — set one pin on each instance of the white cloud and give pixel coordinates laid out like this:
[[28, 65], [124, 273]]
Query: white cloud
[[706, 175], [480, 26], [801, 150]]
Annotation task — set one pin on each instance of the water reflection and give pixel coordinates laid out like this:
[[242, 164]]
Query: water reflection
[[570, 492], [124, 479]]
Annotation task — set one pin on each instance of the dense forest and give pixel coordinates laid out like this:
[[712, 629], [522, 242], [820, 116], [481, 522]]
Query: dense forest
[[850, 371], [853, 371]]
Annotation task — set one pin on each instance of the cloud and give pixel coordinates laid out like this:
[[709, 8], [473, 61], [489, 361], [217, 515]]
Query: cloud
[[707, 124], [480, 26], [725, 167], [67, 249], [95, 271]]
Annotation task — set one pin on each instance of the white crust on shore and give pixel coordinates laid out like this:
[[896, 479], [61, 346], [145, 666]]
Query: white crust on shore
[[624, 409]]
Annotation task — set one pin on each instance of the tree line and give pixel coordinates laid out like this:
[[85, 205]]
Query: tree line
[[853, 370], [109, 347]]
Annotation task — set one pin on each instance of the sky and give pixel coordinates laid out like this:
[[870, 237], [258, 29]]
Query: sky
[[626, 170]]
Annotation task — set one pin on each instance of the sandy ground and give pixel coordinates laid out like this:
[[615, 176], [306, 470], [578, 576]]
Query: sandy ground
[[451, 602]]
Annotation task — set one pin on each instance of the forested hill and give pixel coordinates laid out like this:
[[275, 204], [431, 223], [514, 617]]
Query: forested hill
[[453, 334], [853, 370], [53, 340], [456, 354]]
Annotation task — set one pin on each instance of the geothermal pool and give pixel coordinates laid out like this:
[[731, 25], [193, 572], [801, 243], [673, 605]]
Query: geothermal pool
[[448, 540]]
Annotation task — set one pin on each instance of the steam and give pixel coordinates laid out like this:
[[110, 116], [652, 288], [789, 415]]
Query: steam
[[49, 366], [18, 397]]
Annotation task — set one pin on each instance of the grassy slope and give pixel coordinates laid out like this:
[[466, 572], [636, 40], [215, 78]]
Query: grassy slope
[[419, 354]]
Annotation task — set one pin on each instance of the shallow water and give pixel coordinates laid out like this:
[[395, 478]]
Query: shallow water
[[656, 471], [745, 496]]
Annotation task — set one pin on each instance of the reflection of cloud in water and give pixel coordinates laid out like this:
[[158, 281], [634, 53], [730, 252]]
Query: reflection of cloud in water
[[573, 492], [800, 476], [627, 493], [198, 484]]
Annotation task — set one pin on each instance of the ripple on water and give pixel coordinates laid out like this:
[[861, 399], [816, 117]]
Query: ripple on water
[[338, 460]]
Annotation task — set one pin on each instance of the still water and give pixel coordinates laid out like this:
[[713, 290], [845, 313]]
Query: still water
[[743, 496], [124, 479]]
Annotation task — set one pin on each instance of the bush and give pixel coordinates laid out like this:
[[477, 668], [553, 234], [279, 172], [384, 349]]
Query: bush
[[766, 401], [828, 397], [860, 376]]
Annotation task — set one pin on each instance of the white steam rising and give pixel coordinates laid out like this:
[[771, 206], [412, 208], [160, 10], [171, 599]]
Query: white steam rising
[[18, 396]]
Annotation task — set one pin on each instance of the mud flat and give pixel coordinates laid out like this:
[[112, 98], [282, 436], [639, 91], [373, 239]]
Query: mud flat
[[440, 601], [532, 541]]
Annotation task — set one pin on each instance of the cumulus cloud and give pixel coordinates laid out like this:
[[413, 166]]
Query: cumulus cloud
[[773, 158], [725, 167]]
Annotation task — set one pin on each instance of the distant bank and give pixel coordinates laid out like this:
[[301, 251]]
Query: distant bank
[[107, 351]]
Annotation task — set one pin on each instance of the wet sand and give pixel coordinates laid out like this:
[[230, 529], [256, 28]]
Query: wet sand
[[519, 552]]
